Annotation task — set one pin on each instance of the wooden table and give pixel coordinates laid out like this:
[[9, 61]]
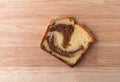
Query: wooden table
[[23, 24]]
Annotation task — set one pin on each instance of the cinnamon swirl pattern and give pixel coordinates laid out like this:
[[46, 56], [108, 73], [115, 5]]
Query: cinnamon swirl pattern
[[67, 40], [66, 31]]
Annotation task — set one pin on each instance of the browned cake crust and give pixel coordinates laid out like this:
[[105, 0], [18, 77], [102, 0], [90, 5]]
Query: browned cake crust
[[71, 65]]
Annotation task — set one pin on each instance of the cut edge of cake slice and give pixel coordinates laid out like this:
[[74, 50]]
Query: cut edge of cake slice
[[79, 31]]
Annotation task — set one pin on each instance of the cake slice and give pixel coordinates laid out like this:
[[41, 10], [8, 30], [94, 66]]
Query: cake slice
[[67, 40]]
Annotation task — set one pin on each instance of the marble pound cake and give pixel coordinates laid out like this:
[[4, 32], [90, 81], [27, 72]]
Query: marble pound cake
[[67, 40]]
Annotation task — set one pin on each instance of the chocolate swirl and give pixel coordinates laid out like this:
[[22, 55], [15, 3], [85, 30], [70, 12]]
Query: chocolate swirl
[[67, 31]]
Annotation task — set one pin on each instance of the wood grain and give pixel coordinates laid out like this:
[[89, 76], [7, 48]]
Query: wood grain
[[23, 24], [45, 74]]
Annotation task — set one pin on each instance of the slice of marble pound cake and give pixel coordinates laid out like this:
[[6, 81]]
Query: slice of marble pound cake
[[67, 40]]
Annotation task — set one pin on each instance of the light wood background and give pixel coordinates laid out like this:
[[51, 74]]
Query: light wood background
[[23, 24]]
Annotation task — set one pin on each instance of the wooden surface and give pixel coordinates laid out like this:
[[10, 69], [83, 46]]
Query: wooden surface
[[23, 24]]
